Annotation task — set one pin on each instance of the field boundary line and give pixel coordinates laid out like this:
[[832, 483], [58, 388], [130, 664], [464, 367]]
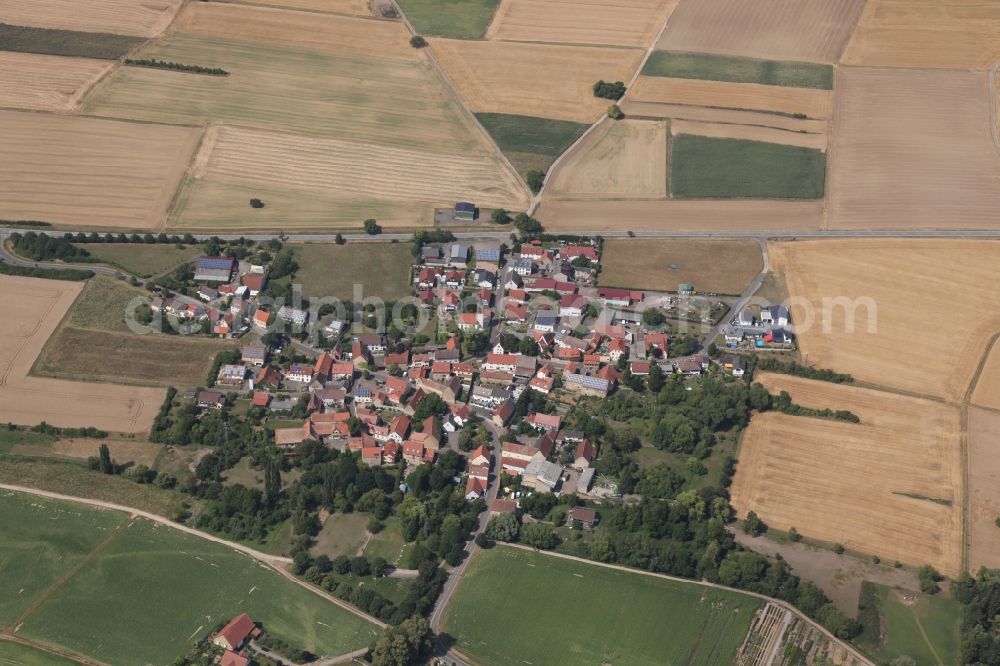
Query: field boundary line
[[275, 562], [65, 654], [15, 625], [323, 12], [704, 583]]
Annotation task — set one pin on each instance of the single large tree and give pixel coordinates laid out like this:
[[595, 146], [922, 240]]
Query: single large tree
[[272, 481], [107, 466]]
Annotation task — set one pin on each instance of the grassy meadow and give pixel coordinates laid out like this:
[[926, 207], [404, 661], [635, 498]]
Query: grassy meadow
[[461, 19], [530, 142], [142, 259], [152, 591], [15, 654], [515, 606], [381, 269], [709, 168], [925, 627], [739, 70]]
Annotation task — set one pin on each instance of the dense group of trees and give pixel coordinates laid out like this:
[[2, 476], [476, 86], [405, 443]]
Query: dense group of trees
[[981, 617], [42, 247], [175, 66], [770, 364], [609, 90]]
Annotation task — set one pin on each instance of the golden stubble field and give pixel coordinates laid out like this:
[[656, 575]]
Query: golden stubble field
[[47, 83], [891, 485], [33, 308], [984, 488], [816, 30], [353, 7], [87, 171], [610, 23], [903, 287], [810, 102], [544, 80], [954, 34], [913, 149], [147, 18], [619, 158]]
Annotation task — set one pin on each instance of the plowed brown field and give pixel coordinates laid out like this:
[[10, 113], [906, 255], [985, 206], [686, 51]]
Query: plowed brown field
[[612, 23], [955, 34], [748, 132], [894, 284], [87, 171], [782, 29], [913, 150], [750, 96], [323, 32], [327, 171], [984, 489], [46, 83], [890, 486], [620, 158], [32, 310], [676, 215], [544, 80], [123, 17]]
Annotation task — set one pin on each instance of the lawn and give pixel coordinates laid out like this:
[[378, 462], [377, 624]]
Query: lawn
[[514, 606], [387, 544], [42, 540], [100, 45], [712, 266], [342, 534], [379, 270], [74, 479], [710, 168], [11, 438], [927, 630], [142, 259], [148, 595], [15, 654], [739, 70], [529, 142], [461, 19]]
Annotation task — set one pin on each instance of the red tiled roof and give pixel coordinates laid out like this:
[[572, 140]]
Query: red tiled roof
[[237, 630]]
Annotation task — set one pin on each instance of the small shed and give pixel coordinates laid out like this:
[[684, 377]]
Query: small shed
[[465, 210]]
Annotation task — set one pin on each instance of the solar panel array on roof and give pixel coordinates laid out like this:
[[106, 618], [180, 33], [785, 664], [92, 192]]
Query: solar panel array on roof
[[215, 263], [465, 207], [487, 254], [589, 382]]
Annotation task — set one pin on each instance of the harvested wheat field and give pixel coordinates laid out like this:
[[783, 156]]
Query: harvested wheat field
[[646, 110], [748, 133], [353, 7], [327, 170], [955, 34], [890, 485], [810, 102], [676, 215], [621, 158], [816, 30], [712, 266], [291, 89], [543, 80], [987, 390], [883, 289], [87, 171], [33, 309], [46, 83], [609, 23], [123, 17], [984, 488], [914, 150], [322, 32]]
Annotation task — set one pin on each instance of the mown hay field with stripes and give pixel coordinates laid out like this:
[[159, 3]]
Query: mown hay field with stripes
[[611, 23], [46, 83], [122, 17]]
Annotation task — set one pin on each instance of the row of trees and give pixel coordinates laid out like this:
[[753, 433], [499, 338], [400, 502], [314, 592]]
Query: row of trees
[[176, 66]]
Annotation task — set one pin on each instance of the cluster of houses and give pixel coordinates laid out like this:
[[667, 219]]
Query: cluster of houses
[[765, 327]]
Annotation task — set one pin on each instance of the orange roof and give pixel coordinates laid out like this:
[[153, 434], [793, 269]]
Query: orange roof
[[231, 658], [237, 630], [260, 399], [323, 364]]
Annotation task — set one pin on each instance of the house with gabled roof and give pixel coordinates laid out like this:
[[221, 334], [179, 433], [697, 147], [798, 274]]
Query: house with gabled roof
[[236, 633]]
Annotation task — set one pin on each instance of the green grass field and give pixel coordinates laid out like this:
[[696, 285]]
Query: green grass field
[[142, 259], [102, 305], [42, 540], [401, 102], [739, 70], [381, 269], [709, 168], [342, 534], [15, 654], [11, 438], [387, 544], [149, 594], [927, 630], [461, 19], [529, 142], [101, 45], [515, 606]]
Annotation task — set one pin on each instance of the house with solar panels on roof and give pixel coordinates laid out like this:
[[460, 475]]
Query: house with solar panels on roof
[[215, 269], [465, 211]]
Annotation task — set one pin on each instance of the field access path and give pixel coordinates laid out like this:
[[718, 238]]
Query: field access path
[[276, 562]]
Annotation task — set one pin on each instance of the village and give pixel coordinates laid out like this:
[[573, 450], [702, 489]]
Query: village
[[522, 333]]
